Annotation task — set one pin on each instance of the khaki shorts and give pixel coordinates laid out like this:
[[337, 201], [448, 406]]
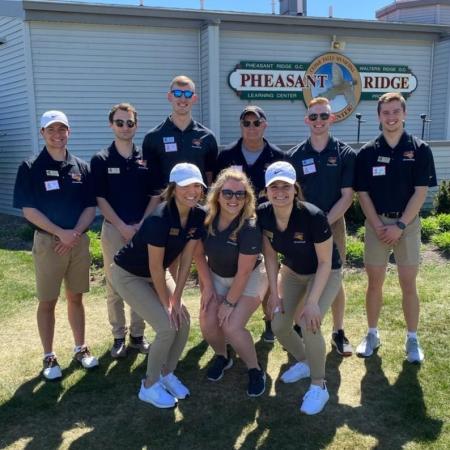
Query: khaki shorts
[[340, 237], [406, 251], [256, 285], [51, 269]]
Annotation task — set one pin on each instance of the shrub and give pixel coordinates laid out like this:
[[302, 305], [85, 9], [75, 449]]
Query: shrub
[[441, 201], [355, 251], [360, 233], [444, 222], [442, 242], [26, 232], [354, 215], [95, 248], [430, 226]]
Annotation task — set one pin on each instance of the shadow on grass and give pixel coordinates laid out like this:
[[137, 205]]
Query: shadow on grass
[[393, 414]]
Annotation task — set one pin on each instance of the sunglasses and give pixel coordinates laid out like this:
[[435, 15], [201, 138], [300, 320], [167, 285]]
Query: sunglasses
[[256, 123], [228, 194], [120, 123], [314, 116], [178, 93]]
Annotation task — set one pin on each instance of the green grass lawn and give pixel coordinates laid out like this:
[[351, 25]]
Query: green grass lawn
[[381, 402]]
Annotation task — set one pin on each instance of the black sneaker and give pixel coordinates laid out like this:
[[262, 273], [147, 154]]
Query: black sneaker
[[119, 349], [298, 330], [140, 343], [218, 367], [340, 342], [256, 382], [268, 335]]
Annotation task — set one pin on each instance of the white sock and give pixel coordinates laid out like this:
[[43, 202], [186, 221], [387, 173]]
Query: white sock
[[411, 334], [374, 331], [49, 354]]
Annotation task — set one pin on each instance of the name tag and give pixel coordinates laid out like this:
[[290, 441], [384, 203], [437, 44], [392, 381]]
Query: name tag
[[113, 170], [378, 171], [309, 169], [174, 232], [307, 162], [170, 147], [52, 173], [168, 139], [384, 159], [238, 168], [52, 185]]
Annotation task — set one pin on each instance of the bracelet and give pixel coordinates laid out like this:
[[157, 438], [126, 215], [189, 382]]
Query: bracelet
[[228, 303]]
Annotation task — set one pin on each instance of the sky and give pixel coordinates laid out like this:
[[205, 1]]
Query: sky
[[345, 9]]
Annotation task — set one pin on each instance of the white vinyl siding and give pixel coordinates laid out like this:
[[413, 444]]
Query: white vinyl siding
[[15, 137], [85, 69], [286, 117], [440, 97]]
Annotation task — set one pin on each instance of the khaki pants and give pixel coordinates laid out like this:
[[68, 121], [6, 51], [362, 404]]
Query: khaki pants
[[51, 269], [169, 343], [294, 289], [112, 242]]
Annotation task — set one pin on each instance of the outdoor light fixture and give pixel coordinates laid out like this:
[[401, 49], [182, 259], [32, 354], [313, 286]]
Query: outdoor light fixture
[[360, 121], [423, 116], [337, 45]]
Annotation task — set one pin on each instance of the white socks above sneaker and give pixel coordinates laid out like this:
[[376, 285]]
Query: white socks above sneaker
[[411, 334], [374, 331]]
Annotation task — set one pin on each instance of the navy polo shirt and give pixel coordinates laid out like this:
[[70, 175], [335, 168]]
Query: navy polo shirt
[[161, 229], [166, 145], [389, 175], [223, 247], [232, 156], [307, 226], [322, 175], [123, 182], [60, 190]]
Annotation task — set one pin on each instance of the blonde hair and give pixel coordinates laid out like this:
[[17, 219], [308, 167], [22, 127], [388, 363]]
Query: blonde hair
[[319, 101], [212, 202], [182, 80]]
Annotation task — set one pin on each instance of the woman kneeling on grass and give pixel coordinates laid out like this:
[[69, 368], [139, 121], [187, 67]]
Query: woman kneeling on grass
[[309, 277], [232, 275], [141, 277]]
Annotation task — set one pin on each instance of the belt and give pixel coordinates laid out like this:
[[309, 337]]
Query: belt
[[392, 215], [131, 223]]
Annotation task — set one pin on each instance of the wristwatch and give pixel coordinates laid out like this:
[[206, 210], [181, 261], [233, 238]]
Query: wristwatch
[[400, 224], [228, 303]]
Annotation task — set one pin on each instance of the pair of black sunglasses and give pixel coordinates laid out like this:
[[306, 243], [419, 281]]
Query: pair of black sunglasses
[[228, 194], [178, 93], [256, 123], [314, 116], [120, 123]]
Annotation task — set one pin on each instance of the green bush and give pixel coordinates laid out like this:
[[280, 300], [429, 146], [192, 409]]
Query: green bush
[[26, 232], [441, 201], [430, 227], [444, 222], [442, 242], [360, 233], [354, 215], [95, 248], [355, 251]]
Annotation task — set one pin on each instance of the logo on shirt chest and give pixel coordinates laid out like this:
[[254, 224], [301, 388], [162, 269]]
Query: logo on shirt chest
[[174, 232], [299, 238], [76, 177], [196, 143], [408, 156], [191, 233], [232, 239], [332, 161]]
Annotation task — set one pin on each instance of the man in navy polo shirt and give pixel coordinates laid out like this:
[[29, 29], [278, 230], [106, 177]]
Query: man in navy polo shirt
[[54, 191], [325, 171], [252, 154], [123, 191], [393, 174], [179, 138]]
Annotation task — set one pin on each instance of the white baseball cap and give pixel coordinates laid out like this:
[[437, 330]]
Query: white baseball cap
[[50, 117], [280, 171], [186, 173]]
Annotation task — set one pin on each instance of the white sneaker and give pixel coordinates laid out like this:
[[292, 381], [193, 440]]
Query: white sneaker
[[51, 370], [174, 386], [296, 372], [156, 395], [414, 353], [314, 400], [85, 358]]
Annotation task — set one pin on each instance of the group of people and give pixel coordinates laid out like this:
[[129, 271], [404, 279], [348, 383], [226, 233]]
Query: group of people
[[233, 213]]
